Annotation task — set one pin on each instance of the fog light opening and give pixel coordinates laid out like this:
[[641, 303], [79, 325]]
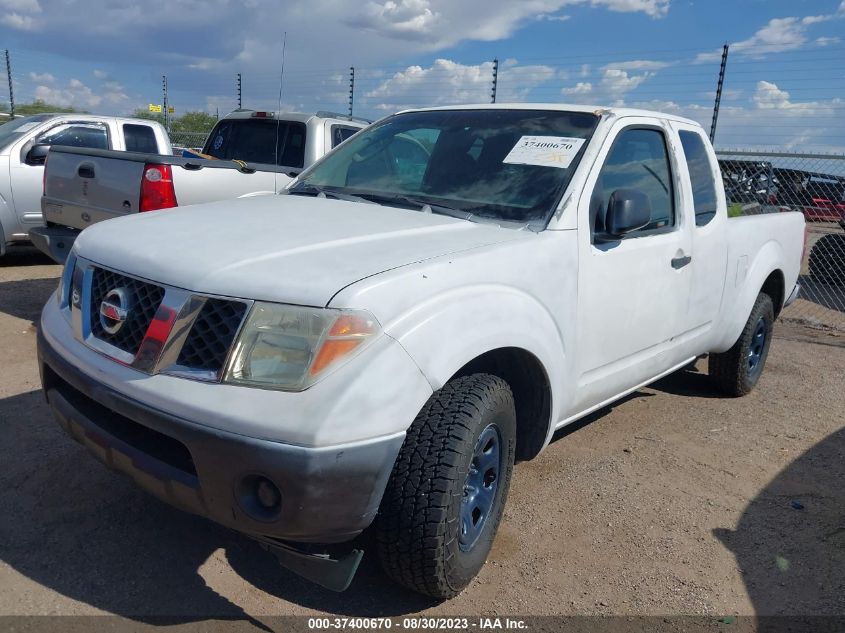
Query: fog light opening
[[267, 494], [259, 498]]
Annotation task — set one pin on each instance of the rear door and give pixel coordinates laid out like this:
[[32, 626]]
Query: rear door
[[27, 179], [632, 292], [709, 246]]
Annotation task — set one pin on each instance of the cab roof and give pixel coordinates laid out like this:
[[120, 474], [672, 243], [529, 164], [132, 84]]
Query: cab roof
[[563, 107]]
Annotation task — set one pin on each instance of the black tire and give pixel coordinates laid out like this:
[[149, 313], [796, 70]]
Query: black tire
[[827, 260], [421, 543], [738, 370]]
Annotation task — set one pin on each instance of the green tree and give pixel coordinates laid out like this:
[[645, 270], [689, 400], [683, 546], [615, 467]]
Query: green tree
[[194, 122], [40, 106]]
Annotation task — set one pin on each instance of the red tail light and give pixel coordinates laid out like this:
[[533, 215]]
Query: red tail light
[[157, 188]]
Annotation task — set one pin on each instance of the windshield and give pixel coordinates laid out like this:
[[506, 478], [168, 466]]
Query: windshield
[[510, 165], [13, 130], [258, 140]]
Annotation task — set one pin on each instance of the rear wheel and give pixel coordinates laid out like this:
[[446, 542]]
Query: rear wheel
[[738, 370], [447, 491], [827, 260]]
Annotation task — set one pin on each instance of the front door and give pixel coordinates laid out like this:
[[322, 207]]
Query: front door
[[632, 292]]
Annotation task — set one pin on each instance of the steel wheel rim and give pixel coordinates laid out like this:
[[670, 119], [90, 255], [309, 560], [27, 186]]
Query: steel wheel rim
[[480, 487], [758, 345]]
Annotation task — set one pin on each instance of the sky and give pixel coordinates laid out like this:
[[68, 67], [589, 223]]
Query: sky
[[784, 84]]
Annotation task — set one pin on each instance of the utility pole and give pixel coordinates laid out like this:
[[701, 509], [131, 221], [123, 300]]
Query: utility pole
[[239, 92], [164, 107], [495, 80], [719, 93], [11, 92], [351, 88]]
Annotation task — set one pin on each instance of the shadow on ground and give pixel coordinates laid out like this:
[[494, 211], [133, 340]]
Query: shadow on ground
[[790, 540], [25, 298], [25, 256]]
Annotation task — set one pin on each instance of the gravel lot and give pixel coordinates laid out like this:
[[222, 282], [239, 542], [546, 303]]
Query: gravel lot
[[675, 501]]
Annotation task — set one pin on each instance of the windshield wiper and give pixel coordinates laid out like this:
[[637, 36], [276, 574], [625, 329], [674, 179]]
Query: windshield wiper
[[311, 190], [421, 205]]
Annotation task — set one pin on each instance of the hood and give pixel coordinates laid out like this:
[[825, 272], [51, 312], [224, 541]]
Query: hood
[[290, 249]]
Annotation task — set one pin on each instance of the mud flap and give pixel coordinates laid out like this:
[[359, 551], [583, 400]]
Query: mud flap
[[335, 574]]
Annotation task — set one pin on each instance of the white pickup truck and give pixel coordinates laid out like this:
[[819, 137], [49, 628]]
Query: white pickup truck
[[249, 153], [425, 306], [24, 144]]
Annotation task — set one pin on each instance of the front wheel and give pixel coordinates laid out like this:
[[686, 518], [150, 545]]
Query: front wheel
[[738, 370], [447, 491]]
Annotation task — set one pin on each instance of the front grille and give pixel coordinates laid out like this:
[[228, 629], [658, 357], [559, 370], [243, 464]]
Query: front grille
[[212, 335], [144, 300]]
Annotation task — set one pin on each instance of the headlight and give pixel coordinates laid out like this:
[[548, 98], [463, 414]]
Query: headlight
[[289, 347]]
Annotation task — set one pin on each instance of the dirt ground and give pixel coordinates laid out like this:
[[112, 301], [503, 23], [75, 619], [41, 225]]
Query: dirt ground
[[674, 501]]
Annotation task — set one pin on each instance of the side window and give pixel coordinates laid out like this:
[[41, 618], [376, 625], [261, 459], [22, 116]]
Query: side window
[[78, 135], [340, 133], [140, 138], [701, 177], [638, 160]]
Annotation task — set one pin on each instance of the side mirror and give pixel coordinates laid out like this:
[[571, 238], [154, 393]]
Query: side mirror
[[628, 210], [37, 155]]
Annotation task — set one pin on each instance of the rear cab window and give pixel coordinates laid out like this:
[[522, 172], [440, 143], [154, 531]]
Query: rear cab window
[[140, 138], [701, 176], [258, 140]]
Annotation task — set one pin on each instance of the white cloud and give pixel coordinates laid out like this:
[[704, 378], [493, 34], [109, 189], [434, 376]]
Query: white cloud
[[639, 64], [100, 74], [653, 8], [399, 18], [43, 78], [777, 36], [26, 6], [446, 82], [18, 21], [827, 41], [611, 88], [76, 94]]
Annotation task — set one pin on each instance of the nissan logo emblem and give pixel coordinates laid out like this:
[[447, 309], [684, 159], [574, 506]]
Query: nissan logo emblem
[[114, 310]]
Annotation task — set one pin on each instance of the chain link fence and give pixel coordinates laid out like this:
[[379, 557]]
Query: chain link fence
[[813, 184], [187, 140]]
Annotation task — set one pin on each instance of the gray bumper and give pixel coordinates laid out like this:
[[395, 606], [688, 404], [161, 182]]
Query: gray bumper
[[54, 241], [327, 495]]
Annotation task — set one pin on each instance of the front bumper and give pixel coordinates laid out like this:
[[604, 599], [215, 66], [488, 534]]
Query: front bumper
[[54, 241], [327, 494]]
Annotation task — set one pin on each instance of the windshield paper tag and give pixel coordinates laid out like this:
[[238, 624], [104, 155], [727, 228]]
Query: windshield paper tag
[[544, 151]]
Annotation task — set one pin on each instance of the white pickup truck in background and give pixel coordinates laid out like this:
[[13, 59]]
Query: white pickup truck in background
[[24, 143], [249, 153], [425, 305]]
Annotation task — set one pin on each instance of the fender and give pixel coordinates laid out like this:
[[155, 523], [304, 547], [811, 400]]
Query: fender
[[746, 287], [445, 332]]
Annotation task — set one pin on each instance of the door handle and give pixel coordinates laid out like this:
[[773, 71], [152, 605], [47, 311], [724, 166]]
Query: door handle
[[85, 171], [680, 262]]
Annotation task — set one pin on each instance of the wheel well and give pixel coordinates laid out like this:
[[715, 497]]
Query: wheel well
[[774, 286], [531, 392]]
